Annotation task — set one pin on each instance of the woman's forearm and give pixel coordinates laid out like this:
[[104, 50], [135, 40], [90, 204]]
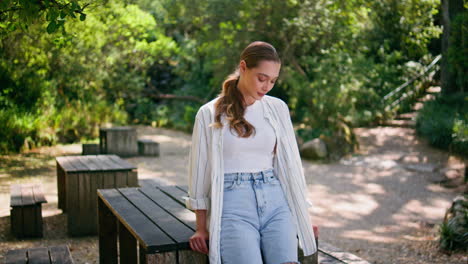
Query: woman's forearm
[[201, 219]]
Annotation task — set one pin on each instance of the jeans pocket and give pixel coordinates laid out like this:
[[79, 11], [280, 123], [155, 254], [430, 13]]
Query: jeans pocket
[[229, 185]]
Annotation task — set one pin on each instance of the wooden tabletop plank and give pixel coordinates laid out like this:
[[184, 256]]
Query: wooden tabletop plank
[[121, 162], [96, 161], [93, 163], [183, 188], [38, 256], [75, 162], [38, 194], [167, 222], [106, 163], [60, 255], [88, 161], [174, 192], [15, 191], [65, 163], [142, 228], [16, 256], [183, 214], [27, 195]]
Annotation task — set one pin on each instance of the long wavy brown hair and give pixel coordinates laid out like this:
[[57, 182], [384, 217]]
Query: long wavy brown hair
[[231, 102]]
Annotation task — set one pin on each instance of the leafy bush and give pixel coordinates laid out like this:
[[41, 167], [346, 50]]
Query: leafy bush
[[454, 228], [21, 129], [444, 122]]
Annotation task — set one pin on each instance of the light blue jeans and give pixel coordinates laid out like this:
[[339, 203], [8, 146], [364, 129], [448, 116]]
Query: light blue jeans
[[256, 225]]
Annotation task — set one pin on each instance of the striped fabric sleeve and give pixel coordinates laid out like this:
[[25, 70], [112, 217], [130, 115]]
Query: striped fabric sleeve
[[295, 151], [199, 180]]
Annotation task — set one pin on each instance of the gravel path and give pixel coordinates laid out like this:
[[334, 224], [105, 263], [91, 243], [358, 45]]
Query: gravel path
[[382, 204]]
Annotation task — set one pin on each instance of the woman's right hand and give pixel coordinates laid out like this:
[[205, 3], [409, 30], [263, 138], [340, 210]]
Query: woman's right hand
[[198, 241]]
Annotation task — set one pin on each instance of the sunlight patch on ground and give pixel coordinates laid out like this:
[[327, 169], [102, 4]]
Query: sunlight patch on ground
[[168, 139], [435, 209], [51, 210], [368, 235], [372, 188], [352, 207], [326, 221]]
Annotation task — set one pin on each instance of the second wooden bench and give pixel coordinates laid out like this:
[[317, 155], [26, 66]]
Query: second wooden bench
[[26, 210], [43, 255]]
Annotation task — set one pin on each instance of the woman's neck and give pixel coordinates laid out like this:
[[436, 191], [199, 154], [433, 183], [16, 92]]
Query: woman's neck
[[248, 100]]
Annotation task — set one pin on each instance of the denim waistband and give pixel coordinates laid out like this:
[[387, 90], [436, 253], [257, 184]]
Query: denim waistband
[[264, 175]]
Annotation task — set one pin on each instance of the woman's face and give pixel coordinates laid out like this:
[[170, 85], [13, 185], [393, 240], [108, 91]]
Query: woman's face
[[256, 82]]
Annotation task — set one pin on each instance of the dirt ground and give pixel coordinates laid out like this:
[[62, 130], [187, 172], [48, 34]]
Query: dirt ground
[[383, 203]]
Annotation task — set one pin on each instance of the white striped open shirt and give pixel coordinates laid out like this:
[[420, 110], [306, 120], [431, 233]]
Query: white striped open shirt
[[206, 177]]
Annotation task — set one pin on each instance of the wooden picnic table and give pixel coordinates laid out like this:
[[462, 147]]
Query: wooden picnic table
[[147, 217], [153, 217], [79, 177]]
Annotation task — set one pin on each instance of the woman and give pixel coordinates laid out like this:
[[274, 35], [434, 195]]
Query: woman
[[246, 182]]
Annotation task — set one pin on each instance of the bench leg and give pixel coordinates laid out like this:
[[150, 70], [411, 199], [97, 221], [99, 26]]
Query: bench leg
[[61, 191], [313, 259], [142, 254], [30, 221], [167, 257], [190, 256], [127, 245], [39, 223], [16, 222], [107, 235]]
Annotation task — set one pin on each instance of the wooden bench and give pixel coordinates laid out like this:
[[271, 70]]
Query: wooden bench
[[90, 149], [152, 219], [148, 147], [43, 255], [79, 177], [26, 210], [121, 141]]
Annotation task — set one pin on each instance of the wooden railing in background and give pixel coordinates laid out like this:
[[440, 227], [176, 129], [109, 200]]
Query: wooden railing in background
[[404, 91]]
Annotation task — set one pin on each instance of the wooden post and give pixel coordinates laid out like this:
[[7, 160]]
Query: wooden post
[[107, 235], [61, 185], [127, 246]]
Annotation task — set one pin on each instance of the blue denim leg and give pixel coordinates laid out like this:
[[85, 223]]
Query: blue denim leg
[[240, 239], [257, 225], [278, 232]]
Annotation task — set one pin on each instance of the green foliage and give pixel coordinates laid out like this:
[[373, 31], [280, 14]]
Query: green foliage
[[22, 130], [454, 229], [126, 57], [444, 122], [20, 14], [79, 81], [406, 26]]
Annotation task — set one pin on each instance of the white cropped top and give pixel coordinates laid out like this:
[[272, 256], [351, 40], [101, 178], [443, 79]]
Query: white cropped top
[[254, 153]]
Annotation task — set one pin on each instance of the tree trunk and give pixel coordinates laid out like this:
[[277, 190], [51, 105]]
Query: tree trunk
[[450, 8]]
